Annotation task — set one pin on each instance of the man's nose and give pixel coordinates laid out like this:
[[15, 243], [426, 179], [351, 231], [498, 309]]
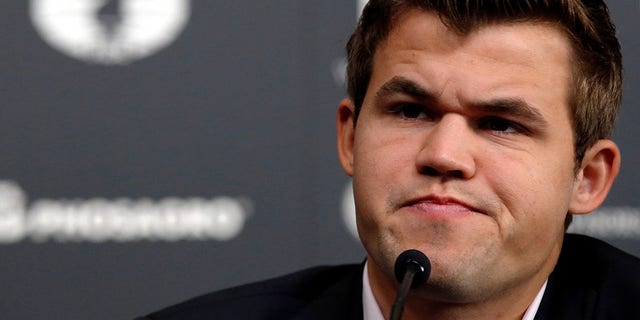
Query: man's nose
[[448, 149]]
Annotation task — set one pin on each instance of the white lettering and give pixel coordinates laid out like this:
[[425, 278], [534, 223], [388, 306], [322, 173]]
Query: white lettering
[[610, 222], [100, 220]]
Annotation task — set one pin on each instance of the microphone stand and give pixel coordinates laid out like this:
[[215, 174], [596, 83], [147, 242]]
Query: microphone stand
[[398, 305]]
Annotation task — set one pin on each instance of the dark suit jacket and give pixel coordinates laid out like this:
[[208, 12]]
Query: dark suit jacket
[[592, 280]]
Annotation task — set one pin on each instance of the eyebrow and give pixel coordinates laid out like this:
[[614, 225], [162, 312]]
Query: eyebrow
[[512, 107], [403, 85]]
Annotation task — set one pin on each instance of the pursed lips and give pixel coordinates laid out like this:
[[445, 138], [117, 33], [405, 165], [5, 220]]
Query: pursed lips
[[439, 205]]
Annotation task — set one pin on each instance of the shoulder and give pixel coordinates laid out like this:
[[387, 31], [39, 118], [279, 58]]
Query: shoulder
[[268, 299], [586, 256], [593, 280]]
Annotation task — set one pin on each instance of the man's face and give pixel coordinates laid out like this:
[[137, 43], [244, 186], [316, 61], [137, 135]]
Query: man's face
[[463, 149]]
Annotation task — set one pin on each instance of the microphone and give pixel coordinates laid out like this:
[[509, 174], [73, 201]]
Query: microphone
[[412, 269]]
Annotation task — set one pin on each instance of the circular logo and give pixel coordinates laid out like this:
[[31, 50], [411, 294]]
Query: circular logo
[[361, 4], [349, 210], [109, 31]]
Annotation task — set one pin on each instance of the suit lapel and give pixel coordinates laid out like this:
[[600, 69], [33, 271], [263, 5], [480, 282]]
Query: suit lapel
[[570, 293], [343, 300]]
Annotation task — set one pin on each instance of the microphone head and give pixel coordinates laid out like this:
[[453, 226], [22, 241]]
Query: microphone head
[[417, 258]]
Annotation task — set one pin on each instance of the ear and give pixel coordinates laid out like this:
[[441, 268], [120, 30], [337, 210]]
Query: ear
[[598, 169], [346, 132]]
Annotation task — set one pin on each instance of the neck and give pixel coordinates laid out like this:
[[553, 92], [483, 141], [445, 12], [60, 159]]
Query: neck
[[508, 304]]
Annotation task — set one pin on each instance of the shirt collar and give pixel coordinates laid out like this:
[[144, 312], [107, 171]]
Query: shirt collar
[[371, 309]]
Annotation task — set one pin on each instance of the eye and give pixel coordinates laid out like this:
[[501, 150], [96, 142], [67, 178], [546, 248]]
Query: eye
[[500, 125], [410, 111]]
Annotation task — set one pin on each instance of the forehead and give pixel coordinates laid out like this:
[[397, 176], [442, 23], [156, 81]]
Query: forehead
[[494, 58], [519, 40]]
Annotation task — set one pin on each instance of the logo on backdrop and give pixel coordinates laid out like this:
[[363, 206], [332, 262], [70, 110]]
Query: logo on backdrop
[[361, 4], [349, 210], [109, 32], [339, 66], [100, 220]]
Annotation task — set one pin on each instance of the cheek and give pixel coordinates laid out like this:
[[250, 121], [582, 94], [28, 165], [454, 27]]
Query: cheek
[[535, 191], [382, 162], [381, 159]]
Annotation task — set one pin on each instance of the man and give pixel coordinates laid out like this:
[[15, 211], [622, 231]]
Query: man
[[473, 132]]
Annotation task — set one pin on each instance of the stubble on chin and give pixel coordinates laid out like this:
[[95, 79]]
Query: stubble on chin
[[456, 276]]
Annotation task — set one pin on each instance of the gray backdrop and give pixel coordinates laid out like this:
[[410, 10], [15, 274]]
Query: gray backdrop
[[113, 156]]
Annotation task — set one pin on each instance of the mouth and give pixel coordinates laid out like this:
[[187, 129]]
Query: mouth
[[440, 207]]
